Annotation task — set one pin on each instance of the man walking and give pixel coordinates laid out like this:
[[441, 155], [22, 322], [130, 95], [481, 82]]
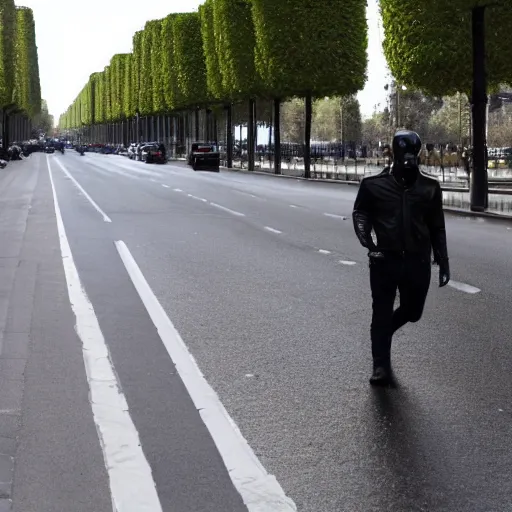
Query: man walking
[[404, 208]]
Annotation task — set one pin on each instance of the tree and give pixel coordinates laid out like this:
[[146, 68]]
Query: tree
[[27, 93], [155, 29], [7, 55], [292, 120], [450, 123], [235, 46], [43, 121], [416, 109], [129, 108], [137, 71], [300, 51], [189, 60], [212, 60], [376, 129], [429, 46], [169, 72], [330, 113], [146, 71], [443, 48]]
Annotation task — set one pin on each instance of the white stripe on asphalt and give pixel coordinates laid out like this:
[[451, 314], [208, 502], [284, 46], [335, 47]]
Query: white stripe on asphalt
[[323, 251], [198, 198], [260, 491], [333, 216], [131, 482], [233, 212], [463, 287], [348, 263], [292, 206], [177, 190], [272, 230], [106, 218], [166, 186]]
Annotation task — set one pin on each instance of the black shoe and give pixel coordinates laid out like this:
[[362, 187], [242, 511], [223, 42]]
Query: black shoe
[[381, 376]]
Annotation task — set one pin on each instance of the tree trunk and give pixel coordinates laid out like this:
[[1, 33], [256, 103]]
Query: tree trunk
[[229, 136], [479, 186], [250, 136], [307, 135], [277, 136]]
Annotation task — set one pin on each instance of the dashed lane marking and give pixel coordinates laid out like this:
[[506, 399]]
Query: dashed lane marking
[[228, 210], [272, 230], [463, 287]]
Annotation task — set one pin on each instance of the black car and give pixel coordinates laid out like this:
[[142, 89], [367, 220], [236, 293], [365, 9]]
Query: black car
[[204, 156], [153, 154], [49, 149]]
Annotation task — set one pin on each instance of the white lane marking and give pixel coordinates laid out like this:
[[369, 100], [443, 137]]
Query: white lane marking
[[131, 482], [260, 491], [333, 216], [177, 190], [323, 251], [463, 287], [166, 186], [272, 230], [106, 218], [198, 198], [292, 206], [348, 263], [233, 212], [153, 180]]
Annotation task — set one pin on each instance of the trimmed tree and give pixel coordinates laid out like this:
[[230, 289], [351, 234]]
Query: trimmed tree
[[7, 49], [146, 72], [437, 57], [169, 73], [211, 54], [189, 60], [306, 48]]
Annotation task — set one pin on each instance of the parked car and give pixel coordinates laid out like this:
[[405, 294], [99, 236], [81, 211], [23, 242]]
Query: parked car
[[152, 153], [204, 156], [49, 149]]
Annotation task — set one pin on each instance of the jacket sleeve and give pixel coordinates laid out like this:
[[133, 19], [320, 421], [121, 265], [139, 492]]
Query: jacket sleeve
[[362, 217], [437, 228]]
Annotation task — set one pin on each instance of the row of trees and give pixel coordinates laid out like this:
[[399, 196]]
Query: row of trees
[[230, 52], [444, 48], [20, 91]]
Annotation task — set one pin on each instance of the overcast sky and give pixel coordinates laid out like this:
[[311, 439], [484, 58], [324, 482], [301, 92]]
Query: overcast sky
[[77, 38]]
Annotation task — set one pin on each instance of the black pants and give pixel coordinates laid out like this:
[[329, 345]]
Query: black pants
[[410, 275]]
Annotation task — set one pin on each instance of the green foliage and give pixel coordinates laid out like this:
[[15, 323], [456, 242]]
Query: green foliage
[[27, 93], [235, 46], [146, 72], [169, 74], [99, 97], [7, 49], [311, 47], [428, 46], [337, 119], [128, 106], [107, 92], [189, 60], [213, 76], [155, 30], [117, 78], [137, 70]]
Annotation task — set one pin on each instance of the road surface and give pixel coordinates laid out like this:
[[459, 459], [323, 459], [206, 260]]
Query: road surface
[[189, 342]]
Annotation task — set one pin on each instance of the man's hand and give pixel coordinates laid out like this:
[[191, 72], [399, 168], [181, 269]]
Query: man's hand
[[375, 254], [444, 272]]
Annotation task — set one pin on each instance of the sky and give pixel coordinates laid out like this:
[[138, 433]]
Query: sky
[[76, 39]]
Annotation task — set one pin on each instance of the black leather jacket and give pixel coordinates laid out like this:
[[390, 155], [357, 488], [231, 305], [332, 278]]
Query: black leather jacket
[[405, 220]]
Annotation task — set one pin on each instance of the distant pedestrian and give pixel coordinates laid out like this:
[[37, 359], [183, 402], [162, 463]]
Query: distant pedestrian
[[404, 208]]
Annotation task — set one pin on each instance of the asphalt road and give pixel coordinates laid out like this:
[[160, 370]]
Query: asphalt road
[[111, 298]]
